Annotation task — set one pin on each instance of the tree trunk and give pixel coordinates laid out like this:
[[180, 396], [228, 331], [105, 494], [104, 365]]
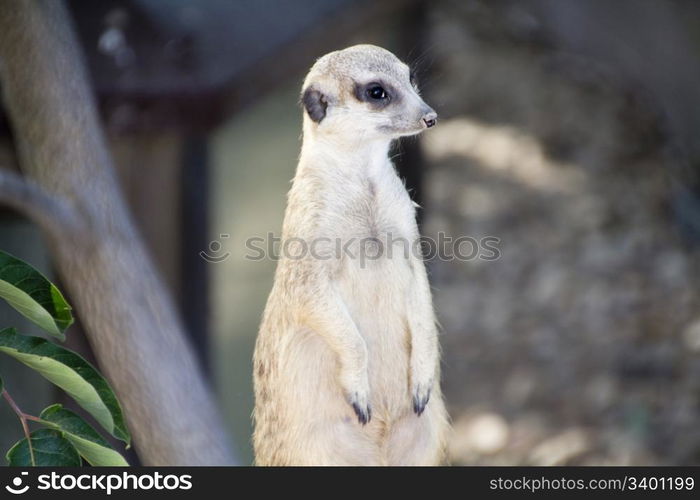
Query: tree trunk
[[127, 313]]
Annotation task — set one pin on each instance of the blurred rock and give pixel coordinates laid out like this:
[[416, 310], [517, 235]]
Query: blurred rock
[[691, 336], [560, 449], [480, 434]]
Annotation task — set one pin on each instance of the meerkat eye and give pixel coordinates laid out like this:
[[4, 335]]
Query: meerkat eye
[[377, 93]]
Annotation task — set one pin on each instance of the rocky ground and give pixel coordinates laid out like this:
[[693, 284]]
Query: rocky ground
[[581, 343]]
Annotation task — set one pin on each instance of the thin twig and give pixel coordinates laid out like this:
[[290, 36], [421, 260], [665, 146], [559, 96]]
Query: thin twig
[[23, 417]]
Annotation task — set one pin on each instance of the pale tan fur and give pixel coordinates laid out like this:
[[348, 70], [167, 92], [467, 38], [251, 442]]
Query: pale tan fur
[[339, 330]]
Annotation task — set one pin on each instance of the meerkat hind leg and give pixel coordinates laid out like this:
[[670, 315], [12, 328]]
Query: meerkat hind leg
[[418, 440], [325, 429]]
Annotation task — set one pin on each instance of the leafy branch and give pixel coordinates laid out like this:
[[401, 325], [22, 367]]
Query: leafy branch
[[23, 417], [64, 438]]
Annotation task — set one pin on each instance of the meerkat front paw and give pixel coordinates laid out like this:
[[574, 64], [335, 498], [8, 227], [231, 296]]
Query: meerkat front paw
[[424, 362], [357, 395], [422, 379], [421, 396], [362, 408]]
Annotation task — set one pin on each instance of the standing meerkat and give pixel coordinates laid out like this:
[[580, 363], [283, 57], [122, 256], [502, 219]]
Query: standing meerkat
[[346, 364]]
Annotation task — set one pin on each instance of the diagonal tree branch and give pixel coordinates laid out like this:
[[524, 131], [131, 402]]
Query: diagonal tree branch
[[128, 316], [50, 213]]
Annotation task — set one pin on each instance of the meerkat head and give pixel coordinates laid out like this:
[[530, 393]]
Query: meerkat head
[[364, 90]]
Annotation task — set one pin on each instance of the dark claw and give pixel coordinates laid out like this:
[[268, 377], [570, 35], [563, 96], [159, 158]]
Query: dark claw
[[364, 415], [419, 403]]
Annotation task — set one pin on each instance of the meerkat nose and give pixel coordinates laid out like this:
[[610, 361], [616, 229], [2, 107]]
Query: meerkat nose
[[430, 119]]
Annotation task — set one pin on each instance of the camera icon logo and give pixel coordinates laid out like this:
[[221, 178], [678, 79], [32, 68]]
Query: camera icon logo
[[215, 247], [16, 488]]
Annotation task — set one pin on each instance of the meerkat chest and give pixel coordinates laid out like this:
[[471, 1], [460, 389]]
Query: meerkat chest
[[374, 211], [376, 223]]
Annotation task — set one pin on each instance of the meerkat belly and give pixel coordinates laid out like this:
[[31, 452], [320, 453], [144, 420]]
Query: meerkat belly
[[374, 284]]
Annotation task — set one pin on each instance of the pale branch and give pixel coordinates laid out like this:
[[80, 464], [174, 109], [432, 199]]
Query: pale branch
[[128, 316], [52, 214]]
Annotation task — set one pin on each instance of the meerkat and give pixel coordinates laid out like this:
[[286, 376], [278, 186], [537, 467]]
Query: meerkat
[[346, 363]]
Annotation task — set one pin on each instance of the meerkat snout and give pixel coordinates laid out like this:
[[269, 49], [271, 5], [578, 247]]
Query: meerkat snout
[[430, 119], [364, 89]]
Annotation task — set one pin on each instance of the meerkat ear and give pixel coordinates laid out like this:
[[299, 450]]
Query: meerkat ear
[[315, 104]]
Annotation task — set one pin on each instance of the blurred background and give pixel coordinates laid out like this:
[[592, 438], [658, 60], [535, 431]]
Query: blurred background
[[568, 130]]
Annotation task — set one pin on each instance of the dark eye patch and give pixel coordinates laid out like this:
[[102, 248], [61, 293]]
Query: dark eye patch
[[377, 94]]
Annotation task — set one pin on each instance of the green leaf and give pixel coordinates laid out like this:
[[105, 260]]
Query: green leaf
[[2, 385], [91, 446], [51, 449], [72, 374], [28, 291]]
